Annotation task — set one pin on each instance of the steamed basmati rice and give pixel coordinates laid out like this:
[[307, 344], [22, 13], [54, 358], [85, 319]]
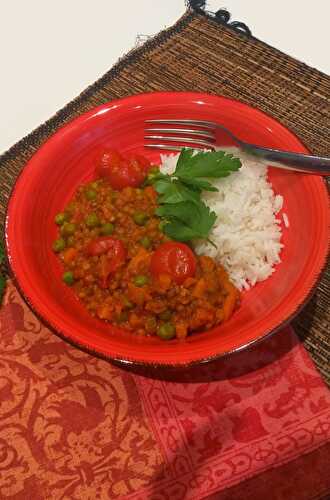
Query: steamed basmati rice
[[247, 231], [286, 220]]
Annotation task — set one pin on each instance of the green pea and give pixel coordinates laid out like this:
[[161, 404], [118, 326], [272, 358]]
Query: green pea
[[91, 194], [165, 315], [140, 280], [140, 218], [145, 242], [92, 220], [107, 228], [68, 229], [166, 331], [68, 278], [60, 218], [122, 317], [59, 245]]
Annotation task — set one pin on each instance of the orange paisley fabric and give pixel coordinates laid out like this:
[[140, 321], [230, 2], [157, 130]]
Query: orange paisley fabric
[[76, 427]]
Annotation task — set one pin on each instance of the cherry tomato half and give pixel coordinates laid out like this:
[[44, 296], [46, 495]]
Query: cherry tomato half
[[106, 159], [128, 174], [175, 259], [143, 163], [119, 171]]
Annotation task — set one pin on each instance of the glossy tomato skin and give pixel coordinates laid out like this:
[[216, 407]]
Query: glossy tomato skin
[[119, 171], [175, 259], [110, 246], [112, 255], [142, 161], [105, 158], [129, 174]]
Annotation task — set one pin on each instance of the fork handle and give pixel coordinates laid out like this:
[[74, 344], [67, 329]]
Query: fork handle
[[300, 162]]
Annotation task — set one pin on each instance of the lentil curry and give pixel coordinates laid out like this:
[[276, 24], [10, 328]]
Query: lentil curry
[[122, 266]]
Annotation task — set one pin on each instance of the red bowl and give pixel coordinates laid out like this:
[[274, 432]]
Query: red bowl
[[50, 178]]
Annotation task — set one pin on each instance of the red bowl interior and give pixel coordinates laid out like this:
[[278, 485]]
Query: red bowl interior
[[63, 162]]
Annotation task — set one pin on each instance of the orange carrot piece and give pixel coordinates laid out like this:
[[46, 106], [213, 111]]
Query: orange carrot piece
[[69, 255], [137, 295], [222, 273], [229, 287], [164, 282], [118, 308], [134, 320], [203, 315], [104, 312], [189, 282], [207, 264], [139, 258], [181, 330], [200, 288]]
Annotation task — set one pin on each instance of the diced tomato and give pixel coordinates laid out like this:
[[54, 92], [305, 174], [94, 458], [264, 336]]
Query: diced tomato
[[119, 171], [125, 175], [105, 160], [104, 312], [113, 255], [69, 255], [143, 162], [175, 259], [113, 247]]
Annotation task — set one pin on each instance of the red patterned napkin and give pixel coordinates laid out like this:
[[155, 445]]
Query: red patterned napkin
[[76, 427]]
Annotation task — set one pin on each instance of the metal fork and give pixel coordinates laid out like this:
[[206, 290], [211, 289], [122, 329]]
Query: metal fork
[[161, 134]]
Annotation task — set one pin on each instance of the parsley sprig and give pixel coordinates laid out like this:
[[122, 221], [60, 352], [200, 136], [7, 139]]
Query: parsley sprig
[[185, 216]]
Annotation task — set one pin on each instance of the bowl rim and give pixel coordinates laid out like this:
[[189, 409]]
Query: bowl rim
[[130, 361]]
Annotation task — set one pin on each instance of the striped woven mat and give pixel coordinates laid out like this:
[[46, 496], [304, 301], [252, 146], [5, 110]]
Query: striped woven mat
[[206, 54]]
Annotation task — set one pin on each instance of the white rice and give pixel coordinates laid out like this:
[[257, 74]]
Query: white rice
[[247, 231], [286, 220]]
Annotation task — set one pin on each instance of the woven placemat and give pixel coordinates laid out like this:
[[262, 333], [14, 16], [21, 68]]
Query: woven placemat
[[203, 54]]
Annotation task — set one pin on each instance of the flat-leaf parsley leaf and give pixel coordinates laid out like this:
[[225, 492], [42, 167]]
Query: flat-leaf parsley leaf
[[187, 220], [185, 215]]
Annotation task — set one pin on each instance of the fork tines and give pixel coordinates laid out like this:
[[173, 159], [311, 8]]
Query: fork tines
[[201, 136]]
